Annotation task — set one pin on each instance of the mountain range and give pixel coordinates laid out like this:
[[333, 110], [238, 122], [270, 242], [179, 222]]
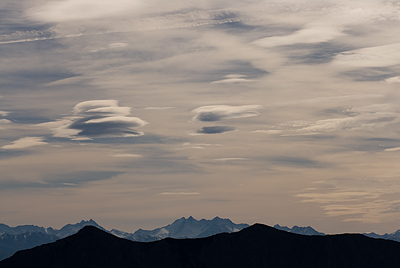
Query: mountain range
[[13, 239], [255, 246], [184, 228]]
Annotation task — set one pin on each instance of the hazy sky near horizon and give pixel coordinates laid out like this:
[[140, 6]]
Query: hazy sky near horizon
[[135, 113]]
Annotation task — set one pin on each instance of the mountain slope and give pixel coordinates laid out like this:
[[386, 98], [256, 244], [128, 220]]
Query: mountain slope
[[392, 236], [256, 246], [9, 243], [13, 239]]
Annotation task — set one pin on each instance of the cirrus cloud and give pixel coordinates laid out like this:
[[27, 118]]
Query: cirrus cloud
[[368, 117], [97, 119]]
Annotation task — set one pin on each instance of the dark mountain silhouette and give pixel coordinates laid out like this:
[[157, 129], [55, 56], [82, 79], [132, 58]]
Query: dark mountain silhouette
[[256, 246], [9, 243], [13, 239]]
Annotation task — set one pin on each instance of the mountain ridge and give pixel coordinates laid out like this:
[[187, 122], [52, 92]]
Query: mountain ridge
[[13, 239], [180, 228], [255, 246]]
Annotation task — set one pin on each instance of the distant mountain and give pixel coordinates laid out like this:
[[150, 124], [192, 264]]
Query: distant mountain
[[257, 246], [392, 236], [13, 239], [11, 243], [5, 229], [298, 230], [184, 228], [28, 236], [65, 231], [71, 229]]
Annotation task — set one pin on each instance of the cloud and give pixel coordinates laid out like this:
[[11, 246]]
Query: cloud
[[69, 10], [215, 130], [24, 143], [127, 155], [219, 112], [358, 118], [158, 108], [356, 200], [180, 193], [310, 34], [97, 119], [378, 56], [4, 121], [231, 159], [392, 149], [233, 78], [269, 131], [4, 113], [188, 145], [393, 80]]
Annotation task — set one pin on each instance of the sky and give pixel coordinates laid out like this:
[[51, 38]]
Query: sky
[[135, 113]]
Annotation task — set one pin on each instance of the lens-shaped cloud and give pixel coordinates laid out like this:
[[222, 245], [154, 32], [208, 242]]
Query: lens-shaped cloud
[[215, 130], [95, 119], [233, 79], [24, 143], [219, 112]]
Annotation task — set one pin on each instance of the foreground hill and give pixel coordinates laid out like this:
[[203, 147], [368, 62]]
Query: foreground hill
[[256, 246]]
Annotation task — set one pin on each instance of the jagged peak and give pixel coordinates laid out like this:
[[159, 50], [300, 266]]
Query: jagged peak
[[91, 221]]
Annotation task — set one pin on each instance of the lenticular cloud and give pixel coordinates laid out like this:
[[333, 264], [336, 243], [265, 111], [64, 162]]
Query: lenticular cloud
[[220, 112], [97, 119]]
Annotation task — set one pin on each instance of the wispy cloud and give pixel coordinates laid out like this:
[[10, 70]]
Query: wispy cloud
[[70, 10], [24, 143], [226, 159], [394, 149], [357, 200], [357, 118], [127, 155], [96, 119], [310, 34], [180, 193], [378, 56]]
